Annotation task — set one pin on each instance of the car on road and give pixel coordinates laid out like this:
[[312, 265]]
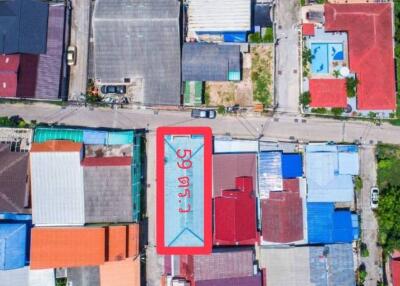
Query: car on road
[[71, 55], [118, 89], [204, 113], [374, 197]]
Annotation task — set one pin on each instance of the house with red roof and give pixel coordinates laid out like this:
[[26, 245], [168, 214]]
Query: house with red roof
[[353, 41], [235, 215]]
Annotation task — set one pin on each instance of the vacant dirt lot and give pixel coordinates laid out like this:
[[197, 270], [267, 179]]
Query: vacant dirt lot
[[229, 93]]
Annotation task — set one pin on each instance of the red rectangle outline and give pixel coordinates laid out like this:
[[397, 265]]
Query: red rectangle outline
[[161, 133]]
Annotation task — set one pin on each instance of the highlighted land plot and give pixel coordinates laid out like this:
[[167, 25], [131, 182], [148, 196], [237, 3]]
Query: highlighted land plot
[[184, 190]]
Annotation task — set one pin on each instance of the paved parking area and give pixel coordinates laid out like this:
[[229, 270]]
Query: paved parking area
[[80, 23], [287, 70], [369, 225]]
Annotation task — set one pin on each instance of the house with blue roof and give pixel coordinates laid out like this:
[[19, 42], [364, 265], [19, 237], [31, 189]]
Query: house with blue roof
[[327, 225], [329, 171], [14, 240]]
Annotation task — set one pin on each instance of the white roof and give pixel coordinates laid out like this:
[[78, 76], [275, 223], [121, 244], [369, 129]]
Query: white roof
[[57, 188], [219, 15], [223, 145]]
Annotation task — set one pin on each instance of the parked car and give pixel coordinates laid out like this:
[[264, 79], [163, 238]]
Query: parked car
[[204, 113], [118, 89], [71, 55], [374, 197]]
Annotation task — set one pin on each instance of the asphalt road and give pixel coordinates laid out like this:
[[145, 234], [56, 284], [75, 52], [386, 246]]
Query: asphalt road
[[287, 86], [280, 127]]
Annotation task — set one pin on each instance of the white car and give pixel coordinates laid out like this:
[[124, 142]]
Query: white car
[[374, 197], [71, 55]]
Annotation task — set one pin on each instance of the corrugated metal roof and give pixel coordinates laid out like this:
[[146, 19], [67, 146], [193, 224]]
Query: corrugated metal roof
[[291, 185], [108, 194], [43, 134], [106, 161], [9, 63], [23, 26], [42, 277], [282, 217], [292, 165], [332, 265], [133, 240], [150, 56], [8, 84], [117, 243], [219, 16], [209, 62], [325, 181], [240, 281], [84, 276], [327, 225], [56, 146], [67, 247], [49, 66], [120, 273], [269, 173], [224, 264], [13, 180], [226, 167], [222, 145], [13, 240], [15, 277], [235, 216], [395, 269], [57, 188]]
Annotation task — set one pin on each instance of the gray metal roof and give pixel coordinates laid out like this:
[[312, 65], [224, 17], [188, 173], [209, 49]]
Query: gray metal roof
[[139, 40], [13, 180], [49, 65], [23, 26], [108, 194], [84, 276], [209, 62]]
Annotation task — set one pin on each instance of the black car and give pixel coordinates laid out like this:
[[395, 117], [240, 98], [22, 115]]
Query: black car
[[204, 113], [118, 89]]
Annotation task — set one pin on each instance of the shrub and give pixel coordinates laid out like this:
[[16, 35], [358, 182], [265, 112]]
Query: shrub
[[319, 110], [364, 250], [305, 98], [255, 37], [358, 183], [362, 274], [221, 109], [337, 111], [268, 36], [351, 86]]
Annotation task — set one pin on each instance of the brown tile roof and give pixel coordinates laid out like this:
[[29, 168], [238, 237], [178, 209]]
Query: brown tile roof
[[13, 180], [56, 146]]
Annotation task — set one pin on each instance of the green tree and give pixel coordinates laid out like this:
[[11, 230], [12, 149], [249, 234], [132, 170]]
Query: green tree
[[336, 73], [351, 86], [358, 183], [364, 250], [305, 98]]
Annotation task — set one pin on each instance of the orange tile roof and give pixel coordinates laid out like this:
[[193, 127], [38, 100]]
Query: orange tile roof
[[56, 146], [133, 240], [117, 243], [120, 273], [53, 247]]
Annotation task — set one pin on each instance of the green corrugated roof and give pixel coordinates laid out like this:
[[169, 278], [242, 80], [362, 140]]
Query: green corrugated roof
[[193, 93], [44, 134]]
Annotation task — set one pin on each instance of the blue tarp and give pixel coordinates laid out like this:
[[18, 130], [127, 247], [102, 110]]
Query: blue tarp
[[120, 137], [235, 37], [95, 137], [13, 240], [292, 165], [327, 225]]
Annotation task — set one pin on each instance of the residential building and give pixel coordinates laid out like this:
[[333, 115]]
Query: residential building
[[54, 247], [235, 214], [144, 51], [210, 62]]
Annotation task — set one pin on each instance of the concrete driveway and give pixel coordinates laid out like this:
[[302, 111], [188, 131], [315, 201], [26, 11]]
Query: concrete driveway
[[80, 23], [369, 225], [287, 87]]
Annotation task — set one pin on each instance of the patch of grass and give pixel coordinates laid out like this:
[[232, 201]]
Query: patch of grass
[[267, 38], [261, 77], [302, 2], [358, 183]]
